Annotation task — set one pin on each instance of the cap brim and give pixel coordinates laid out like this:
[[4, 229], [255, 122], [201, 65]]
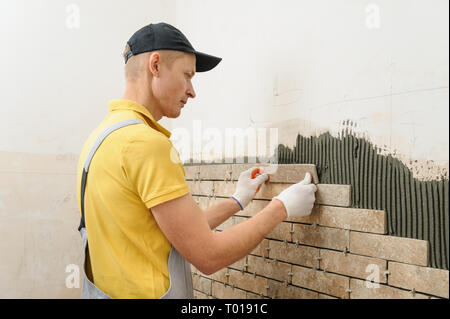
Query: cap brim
[[205, 62]]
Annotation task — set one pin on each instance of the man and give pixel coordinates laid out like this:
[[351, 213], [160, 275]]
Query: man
[[144, 227]]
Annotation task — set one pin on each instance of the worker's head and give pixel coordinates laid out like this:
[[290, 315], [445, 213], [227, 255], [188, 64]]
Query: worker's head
[[166, 76], [159, 65]]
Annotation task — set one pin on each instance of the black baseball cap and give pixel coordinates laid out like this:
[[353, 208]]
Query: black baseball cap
[[163, 36]]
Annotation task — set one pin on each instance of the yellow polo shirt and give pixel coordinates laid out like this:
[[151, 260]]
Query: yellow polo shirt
[[133, 170]]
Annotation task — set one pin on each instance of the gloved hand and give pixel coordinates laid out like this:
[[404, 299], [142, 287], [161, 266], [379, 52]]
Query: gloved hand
[[298, 199], [246, 187]]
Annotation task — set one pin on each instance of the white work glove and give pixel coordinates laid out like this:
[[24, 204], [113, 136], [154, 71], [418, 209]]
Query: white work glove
[[298, 199], [246, 187]]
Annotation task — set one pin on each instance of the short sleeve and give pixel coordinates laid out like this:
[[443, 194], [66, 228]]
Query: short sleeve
[[153, 167]]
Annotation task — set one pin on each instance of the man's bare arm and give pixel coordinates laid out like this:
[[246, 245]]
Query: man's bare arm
[[187, 228], [221, 211]]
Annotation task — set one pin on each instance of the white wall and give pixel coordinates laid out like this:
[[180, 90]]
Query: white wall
[[57, 79], [306, 66]]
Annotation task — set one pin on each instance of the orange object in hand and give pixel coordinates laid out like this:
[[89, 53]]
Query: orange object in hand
[[256, 172]]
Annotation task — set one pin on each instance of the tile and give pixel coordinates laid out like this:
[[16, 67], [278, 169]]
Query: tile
[[261, 249], [296, 254], [335, 195], [220, 275], [248, 282], [406, 250], [428, 280], [269, 268], [317, 280], [222, 291], [360, 289], [353, 265], [364, 220], [318, 236], [282, 232], [279, 290], [202, 284]]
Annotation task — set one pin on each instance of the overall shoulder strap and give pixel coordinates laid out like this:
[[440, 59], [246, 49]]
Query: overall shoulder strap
[[94, 148]]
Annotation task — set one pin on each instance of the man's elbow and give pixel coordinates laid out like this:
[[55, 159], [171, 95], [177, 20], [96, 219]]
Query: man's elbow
[[207, 267], [209, 263], [205, 270]]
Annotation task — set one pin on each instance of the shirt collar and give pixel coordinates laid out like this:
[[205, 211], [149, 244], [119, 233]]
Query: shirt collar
[[134, 106]]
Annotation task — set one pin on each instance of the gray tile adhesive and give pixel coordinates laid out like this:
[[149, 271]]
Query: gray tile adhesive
[[415, 209]]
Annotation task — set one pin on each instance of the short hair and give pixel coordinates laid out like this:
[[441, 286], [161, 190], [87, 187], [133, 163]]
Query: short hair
[[134, 65]]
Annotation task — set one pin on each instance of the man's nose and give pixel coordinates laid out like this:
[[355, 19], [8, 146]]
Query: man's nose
[[191, 92]]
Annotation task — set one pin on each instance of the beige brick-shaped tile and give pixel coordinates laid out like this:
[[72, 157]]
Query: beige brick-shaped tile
[[327, 194], [220, 275], [336, 195], [280, 173], [269, 268], [282, 232], [254, 207], [320, 281], [248, 282], [226, 224], [201, 295], [261, 250], [296, 254], [279, 290], [352, 265], [346, 218], [423, 279], [237, 169], [202, 284], [194, 270], [215, 172], [221, 291], [312, 218], [407, 250], [267, 191], [191, 171], [364, 220], [224, 189], [360, 290], [239, 219], [319, 236], [240, 264], [201, 188]]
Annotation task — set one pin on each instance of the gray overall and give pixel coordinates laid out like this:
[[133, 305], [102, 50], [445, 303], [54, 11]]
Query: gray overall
[[179, 269]]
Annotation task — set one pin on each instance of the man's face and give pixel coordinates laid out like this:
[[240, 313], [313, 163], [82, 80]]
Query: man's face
[[173, 87]]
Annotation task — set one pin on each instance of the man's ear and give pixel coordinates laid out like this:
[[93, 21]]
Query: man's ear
[[154, 63]]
